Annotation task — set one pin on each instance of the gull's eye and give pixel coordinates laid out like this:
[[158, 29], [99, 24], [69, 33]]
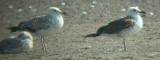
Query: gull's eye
[[134, 10]]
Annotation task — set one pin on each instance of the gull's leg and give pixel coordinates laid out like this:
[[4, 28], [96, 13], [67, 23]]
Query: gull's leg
[[124, 43], [43, 44]]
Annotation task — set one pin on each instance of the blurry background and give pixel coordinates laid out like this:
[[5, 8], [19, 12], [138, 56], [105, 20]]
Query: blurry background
[[85, 17]]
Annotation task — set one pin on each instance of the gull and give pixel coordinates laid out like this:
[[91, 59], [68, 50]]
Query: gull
[[42, 26], [20, 44], [123, 27]]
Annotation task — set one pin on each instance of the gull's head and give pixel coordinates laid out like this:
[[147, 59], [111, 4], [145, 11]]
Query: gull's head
[[54, 10], [134, 11], [25, 35]]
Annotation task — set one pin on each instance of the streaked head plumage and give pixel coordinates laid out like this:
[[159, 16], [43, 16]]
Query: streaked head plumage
[[25, 34], [55, 9], [134, 10]]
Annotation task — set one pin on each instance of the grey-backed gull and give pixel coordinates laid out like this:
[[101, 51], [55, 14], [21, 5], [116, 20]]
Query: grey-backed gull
[[42, 25], [123, 27]]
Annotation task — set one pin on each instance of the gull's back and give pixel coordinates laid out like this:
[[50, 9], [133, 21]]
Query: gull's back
[[35, 24]]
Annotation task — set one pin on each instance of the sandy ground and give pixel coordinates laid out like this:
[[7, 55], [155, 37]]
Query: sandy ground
[[68, 43]]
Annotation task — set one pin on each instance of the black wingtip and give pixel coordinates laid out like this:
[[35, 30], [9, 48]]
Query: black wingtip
[[13, 29], [91, 35]]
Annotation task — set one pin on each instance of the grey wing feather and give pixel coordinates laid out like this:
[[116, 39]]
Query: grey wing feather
[[34, 24]]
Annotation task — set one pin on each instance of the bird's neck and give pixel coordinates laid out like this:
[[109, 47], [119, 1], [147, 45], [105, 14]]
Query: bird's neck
[[134, 15], [56, 19], [137, 19]]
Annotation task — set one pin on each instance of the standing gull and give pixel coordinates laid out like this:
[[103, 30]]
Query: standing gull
[[123, 27], [42, 25], [20, 44]]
